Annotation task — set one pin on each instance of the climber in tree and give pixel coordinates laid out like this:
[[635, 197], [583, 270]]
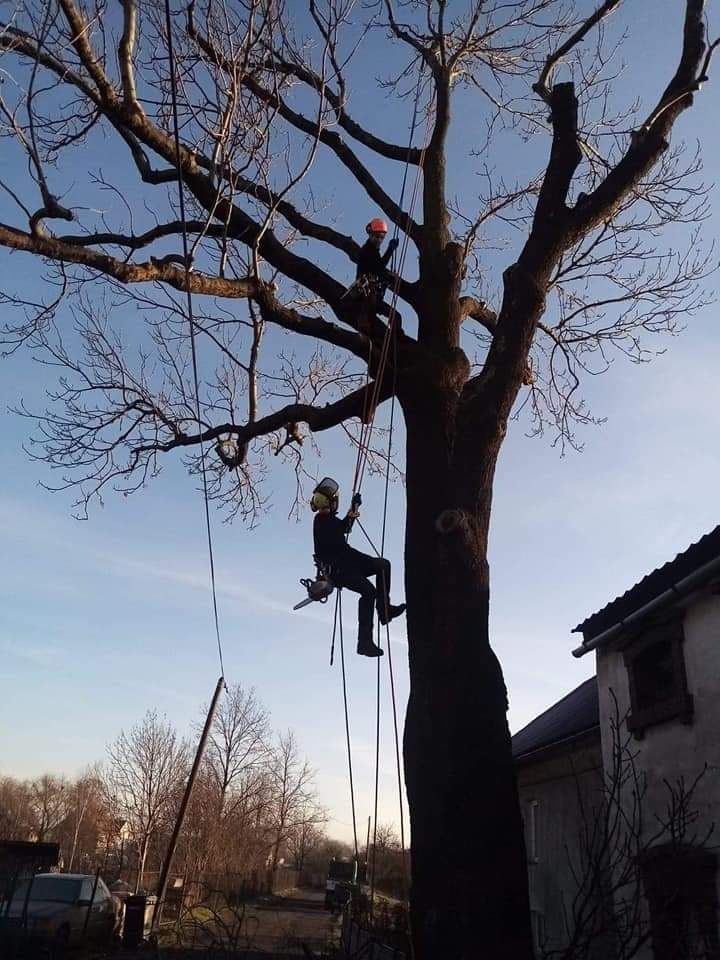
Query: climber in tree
[[372, 273], [350, 568]]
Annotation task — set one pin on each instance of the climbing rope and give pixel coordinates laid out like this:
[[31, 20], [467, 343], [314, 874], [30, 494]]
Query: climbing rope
[[338, 616], [368, 420], [191, 318], [371, 399]]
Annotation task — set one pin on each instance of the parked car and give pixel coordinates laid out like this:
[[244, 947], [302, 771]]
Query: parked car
[[61, 907]]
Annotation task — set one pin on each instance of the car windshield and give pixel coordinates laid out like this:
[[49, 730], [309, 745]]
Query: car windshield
[[49, 890]]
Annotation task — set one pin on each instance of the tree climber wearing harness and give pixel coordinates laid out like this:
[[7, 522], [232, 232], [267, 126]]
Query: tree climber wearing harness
[[350, 568], [372, 274]]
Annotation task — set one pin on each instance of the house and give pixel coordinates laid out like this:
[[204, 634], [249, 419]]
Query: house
[[558, 758], [638, 864]]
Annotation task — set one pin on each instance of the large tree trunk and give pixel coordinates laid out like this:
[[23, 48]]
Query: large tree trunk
[[469, 875]]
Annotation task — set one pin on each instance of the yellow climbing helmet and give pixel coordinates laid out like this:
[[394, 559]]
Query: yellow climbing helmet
[[325, 495]]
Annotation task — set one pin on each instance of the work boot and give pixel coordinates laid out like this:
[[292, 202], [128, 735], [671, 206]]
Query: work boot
[[390, 612], [367, 648]]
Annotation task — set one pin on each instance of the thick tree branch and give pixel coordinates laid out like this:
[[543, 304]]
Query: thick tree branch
[[126, 52], [565, 157], [293, 320], [137, 241], [312, 129], [478, 310], [556, 227], [407, 35], [317, 419], [341, 150], [391, 151], [15, 40], [651, 140], [146, 272], [80, 33], [163, 270], [544, 83], [136, 129]]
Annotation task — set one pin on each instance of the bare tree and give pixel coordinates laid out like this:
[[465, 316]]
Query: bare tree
[[48, 799], [238, 746], [304, 845], [14, 810], [232, 783], [143, 773], [264, 90], [293, 803], [619, 835], [84, 797]]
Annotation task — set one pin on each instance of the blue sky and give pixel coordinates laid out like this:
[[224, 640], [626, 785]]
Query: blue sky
[[100, 620]]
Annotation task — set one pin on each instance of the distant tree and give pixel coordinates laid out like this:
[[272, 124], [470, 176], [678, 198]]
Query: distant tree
[[388, 869], [303, 844], [265, 89], [231, 786], [238, 747], [15, 822], [48, 801], [142, 776], [84, 816], [293, 799]]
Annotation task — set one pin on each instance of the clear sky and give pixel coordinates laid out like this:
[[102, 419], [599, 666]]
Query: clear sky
[[101, 620]]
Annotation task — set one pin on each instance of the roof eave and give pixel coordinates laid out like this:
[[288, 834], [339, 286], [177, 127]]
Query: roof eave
[[673, 594]]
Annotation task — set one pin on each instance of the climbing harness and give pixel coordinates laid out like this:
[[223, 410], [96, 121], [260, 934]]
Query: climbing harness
[[321, 587], [367, 287]]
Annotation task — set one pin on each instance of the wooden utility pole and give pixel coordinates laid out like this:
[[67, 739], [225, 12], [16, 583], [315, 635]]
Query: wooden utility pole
[[167, 863]]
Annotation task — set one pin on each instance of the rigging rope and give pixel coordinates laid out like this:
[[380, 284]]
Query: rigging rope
[[371, 402], [369, 412], [191, 318], [338, 616]]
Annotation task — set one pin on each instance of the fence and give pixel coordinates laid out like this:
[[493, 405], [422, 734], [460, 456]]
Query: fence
[[361, 944]]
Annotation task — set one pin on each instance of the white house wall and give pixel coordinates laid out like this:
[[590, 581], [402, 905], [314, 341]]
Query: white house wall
[[672, 749]]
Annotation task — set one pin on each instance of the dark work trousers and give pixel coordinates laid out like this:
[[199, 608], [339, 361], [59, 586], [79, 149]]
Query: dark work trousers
[[351, 571]]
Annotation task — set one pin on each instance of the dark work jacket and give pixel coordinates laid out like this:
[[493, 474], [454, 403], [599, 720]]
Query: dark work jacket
[[329, 532], [372, 262]]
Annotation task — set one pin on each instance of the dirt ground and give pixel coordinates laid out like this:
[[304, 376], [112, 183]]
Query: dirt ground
[[271, 925], [284, 927], [282, 924]]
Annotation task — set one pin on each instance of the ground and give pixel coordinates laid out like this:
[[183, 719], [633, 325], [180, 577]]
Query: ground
[[276, 926]]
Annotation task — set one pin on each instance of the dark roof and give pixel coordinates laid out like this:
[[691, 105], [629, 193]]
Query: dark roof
[[697, 555], [575, 714]]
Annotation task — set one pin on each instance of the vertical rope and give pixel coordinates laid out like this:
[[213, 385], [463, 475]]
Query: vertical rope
[[193, 348], [338, 609], [371, 404], [377, 781]]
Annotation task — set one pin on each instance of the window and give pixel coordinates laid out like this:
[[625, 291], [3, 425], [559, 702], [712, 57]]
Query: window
[[658, 684], [680, 887], [56, 889], [87, 890]]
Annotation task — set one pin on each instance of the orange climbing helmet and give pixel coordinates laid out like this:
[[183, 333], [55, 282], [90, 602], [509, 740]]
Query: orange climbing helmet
[[376, 225]]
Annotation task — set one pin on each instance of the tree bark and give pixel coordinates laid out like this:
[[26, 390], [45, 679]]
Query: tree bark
[[469, 893]]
